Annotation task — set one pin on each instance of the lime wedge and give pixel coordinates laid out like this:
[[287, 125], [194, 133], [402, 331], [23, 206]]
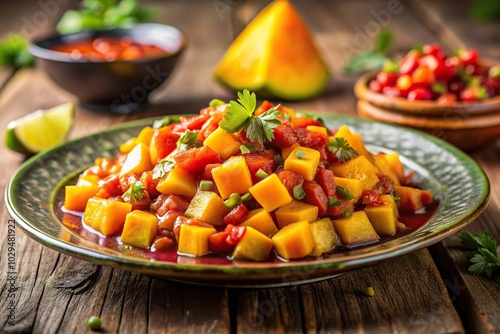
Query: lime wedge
[[40, 130]]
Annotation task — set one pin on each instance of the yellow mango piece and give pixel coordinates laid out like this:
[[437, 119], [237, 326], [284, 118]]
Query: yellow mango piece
[[106, 216], [179, 182], [87, 180], [359, 168], [354, 140], [296, 211], [384, 168], [262, 221], [306, 165], [324, 236], [233, 176], [253, 246], [285, 152], [193, 240], [318, 129], [223, 143], [356, 229], [356, 187], [137, 161], [294, 241], [384, 218], [139, 229], [146, 135], [270, 193], [127, 146], [76, 197], [208, 207], [395, 164]]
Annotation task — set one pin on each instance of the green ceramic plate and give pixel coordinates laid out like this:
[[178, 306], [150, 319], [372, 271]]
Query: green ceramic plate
[[461, 186]]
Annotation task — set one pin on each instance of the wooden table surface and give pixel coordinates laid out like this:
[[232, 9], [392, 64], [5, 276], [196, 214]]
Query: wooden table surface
[[428, 291]]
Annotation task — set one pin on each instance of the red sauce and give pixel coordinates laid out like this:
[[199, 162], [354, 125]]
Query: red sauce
[[109, 49]]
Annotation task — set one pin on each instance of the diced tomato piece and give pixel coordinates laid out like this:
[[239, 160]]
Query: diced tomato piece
[[433, 49], [217, 243], [164, 141], [127, 180], [207, 172], [375, 86], [386, 79], [423, 75], [324, 177], [426, 197], [303, 122], [235, 233], [236, 216], [167, 220], [194, 160], [314, 140], [469, 57], [110, 186], [346, 205], [194, 122], [284, 135], [371, 197], [150, 184], [290, 180], [264, 106], [165, 203], [315, 196], [420, 94], [264, 161], [409, 63]]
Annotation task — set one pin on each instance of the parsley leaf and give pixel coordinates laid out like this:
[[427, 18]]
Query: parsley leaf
[[134, 192], [160, 123], [345, 193], [188, 140], [485, 260], [240, 116], [371, 59], [162, 168], [341, 148], [14, 52]]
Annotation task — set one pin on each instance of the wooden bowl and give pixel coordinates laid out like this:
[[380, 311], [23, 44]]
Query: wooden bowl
[[467, 125]]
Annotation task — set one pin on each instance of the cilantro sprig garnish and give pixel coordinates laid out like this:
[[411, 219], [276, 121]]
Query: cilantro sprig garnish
[[188, 140], [341, 148], [134, 192], [485, 260], [162, 168], [240, 116]]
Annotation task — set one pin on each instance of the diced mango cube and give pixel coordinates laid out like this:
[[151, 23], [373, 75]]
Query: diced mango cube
[[412, 199], [285, 152], [356, 229], [270, 193], [384, 218], [354, 140], [395, 164], [208, 207], [384, 168], [106, 216], [304, 161], [193, 240], [296, 211], [324, 236], [294, 241], [146, 135], [233, 176], [359, 168], [127, 146], [178, 182], [87, 180], [223, 143], [139, 229], [318, 129], [253, 246], [356, 187], [262, 221], [137, 161], [76, 197]]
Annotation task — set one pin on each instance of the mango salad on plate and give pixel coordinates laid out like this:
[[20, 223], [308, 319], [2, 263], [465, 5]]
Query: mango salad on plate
[[248, 182]]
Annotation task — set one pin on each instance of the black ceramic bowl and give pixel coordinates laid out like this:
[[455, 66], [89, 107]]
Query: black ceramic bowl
[[119, 86]]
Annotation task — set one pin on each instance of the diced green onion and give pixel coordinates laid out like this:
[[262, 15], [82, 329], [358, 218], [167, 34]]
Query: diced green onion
[[261, 174], [333, 202], [244, 149], [494, 72], [347, 214], [390, 66], [345, 193], [438, 88], [216, 103], [206, 185], [300, 154], [279, 160], [233, 201], [298, 192], [246, 197]]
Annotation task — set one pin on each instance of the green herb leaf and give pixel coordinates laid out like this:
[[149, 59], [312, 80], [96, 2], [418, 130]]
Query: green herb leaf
[[298, 192], [134, 192], [279, 160], [383, 41], [346, 214], [316, 118], [160, 123], [188, 140], [333, 202], [341, 148], [244, 149], [371, 59], [14, 52], [162, 168], [485, 260], [216, 103], [345, 193], [300, 154]]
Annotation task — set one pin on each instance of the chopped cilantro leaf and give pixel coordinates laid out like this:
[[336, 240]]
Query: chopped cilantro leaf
[[340, 147], [134, 192]]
